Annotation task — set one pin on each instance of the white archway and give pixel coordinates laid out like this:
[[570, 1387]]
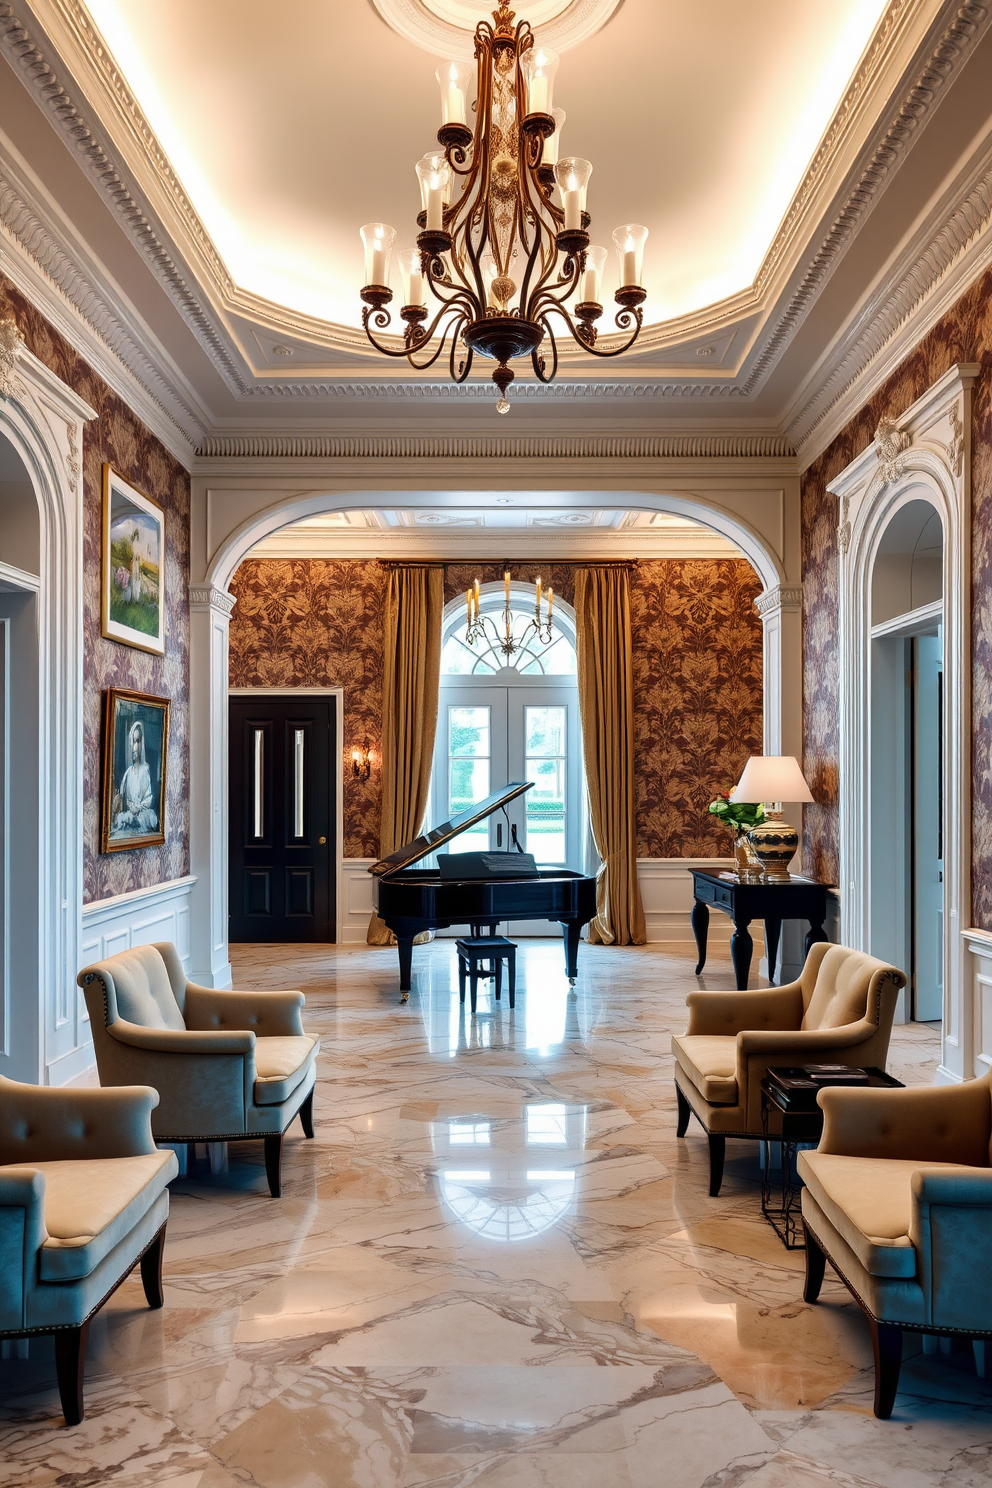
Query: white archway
[[42, 419], [756, 506], [925, 456]]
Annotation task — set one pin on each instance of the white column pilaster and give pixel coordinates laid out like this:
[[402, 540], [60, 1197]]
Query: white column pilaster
[[210, 615], [781, 611]]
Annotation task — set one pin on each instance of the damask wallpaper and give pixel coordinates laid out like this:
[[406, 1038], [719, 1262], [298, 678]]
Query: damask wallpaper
[[697, 674], [963, 335], [117, 437], [314, 623]]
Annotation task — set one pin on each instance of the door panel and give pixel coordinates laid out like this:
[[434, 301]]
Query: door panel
[[928, 866], [282, 827]]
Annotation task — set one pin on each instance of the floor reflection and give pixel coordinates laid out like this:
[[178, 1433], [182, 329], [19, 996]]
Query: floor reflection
[[510, 1179], [548, 1014]]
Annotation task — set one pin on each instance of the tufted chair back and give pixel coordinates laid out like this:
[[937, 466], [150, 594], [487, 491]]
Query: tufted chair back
[[841, 986], [145, 985]]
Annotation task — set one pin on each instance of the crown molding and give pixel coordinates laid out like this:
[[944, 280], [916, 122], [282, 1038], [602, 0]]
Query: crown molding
[[951, 249], [468, 544], [495, 447], [42, 256]]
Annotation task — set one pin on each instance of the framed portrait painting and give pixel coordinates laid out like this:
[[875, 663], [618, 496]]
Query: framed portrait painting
[[133, 566], [135, 755]]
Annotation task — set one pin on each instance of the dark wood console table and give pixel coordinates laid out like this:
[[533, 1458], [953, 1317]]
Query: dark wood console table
[[799, 899]]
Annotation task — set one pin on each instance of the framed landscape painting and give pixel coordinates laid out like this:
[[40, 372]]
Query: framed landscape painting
[[133, 608], [135, 753]]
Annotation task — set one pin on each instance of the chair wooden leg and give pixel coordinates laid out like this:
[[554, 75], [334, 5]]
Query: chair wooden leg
[[816, 1265], [273, 1164], [70, 1366], [685, 1111], [718, 1150], [306, 1116], [151, 1270], [886, 1342]]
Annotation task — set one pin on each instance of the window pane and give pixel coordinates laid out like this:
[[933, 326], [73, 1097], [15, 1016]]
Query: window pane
[[545, 739], [468, 731], [532, 657]]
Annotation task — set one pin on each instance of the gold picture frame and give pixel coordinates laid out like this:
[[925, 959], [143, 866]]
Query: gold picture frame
[[132, 569], [135, 767]]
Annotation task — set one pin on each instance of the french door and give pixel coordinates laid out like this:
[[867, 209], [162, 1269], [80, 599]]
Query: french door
[[490, 735]]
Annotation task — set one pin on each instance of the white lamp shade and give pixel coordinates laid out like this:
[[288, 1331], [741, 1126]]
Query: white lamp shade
[[771, 777]]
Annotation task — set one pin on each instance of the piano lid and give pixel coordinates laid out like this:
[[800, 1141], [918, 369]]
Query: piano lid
[[412, 852]]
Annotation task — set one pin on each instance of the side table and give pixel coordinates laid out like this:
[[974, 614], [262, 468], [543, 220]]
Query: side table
[[788, 1095], [799, 899]]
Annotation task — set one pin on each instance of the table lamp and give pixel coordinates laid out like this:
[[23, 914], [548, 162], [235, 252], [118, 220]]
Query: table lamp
[[773, 778]]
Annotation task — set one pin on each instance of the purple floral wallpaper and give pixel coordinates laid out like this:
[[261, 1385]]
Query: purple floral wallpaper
[[697, 674], [116, 436], [963, 335]]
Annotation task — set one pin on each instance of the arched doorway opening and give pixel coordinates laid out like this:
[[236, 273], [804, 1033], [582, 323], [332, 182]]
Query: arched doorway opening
[[516, 717], [907, 750], [20, 751]]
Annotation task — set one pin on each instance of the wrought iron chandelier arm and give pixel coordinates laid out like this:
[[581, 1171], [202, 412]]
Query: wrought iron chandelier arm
[[544, 297], [539, 362], [382, 320]]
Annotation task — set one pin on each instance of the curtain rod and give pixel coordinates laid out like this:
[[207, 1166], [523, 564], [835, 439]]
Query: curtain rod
[[546, 558]]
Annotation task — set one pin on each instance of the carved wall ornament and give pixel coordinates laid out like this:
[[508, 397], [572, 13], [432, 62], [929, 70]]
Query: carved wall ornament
[[955, 450], [844, 526], [891, 444], [11, 342], [72, 430]]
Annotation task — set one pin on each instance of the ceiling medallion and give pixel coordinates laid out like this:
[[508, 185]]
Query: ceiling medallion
[[499, 267], [447, 27]]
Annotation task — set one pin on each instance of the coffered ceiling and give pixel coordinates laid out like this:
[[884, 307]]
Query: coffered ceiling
[[185, 182]]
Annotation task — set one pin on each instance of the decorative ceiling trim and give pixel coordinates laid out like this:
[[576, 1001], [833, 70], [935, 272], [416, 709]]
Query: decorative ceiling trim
[[951, 250], [42, 239], [494, 447], [419, 22], [31, 58], [945, 58]]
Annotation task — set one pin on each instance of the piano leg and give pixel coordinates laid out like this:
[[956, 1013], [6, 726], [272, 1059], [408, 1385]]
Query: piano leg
[[571, 931], [404, 944]]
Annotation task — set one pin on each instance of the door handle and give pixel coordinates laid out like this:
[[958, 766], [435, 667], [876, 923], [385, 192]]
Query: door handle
[[322, 840], [499, 834]]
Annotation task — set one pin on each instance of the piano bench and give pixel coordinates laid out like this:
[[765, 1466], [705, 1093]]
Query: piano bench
[[483, 955]]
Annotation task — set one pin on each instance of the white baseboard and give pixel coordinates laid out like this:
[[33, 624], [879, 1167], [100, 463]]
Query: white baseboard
[[355, 909], [977, 1009]]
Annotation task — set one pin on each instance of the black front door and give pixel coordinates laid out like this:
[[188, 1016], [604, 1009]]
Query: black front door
[[282, 819]]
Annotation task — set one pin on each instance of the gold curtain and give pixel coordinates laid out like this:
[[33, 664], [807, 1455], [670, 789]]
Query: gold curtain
[[606, 706], [411, 677]]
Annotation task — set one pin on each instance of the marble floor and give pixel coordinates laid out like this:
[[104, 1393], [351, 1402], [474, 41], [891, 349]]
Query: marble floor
[[495, 1265]]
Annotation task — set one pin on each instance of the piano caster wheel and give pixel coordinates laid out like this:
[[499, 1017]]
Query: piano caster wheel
[[404, 998], [572, 981]]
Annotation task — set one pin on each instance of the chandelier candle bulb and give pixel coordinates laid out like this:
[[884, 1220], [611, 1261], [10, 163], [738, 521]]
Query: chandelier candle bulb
[[552, 145], [573, 182], [378, 239], [539, 66], [551, 595], [412, 276], [630, 241], [592, 278], [455, 79], [537, 594]]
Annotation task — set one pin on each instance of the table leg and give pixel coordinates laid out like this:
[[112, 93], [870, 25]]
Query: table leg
[[773, 930], [813, 934], [741, 948], [700, 925], [571, 932]]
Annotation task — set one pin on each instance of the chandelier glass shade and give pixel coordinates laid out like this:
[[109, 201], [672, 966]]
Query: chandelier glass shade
[[501, 267]]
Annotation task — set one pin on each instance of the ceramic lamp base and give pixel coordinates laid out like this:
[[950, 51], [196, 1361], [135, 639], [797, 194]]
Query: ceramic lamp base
[[774, 843]]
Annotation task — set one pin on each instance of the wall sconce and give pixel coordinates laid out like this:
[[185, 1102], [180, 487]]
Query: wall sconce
[[361, 761]]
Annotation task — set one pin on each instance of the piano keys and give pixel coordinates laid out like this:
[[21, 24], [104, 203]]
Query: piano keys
[[412, 899]]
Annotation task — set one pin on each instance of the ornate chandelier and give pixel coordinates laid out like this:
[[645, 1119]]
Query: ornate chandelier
[[507, 641], [502, 259]]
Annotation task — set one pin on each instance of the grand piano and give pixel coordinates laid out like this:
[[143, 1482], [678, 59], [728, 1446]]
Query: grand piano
[[411, 899]]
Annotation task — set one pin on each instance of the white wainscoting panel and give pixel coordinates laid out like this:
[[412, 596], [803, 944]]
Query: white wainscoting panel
[[666, 893], [355, 908], [978, 999]]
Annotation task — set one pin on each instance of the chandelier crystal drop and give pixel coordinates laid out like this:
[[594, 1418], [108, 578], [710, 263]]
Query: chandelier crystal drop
[[499, 264]]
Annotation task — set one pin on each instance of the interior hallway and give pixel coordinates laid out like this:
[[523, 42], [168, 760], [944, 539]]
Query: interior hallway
[[494, 1265]]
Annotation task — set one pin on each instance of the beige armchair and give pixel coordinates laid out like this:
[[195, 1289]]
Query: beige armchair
[[227, 1065], [898, 1198], [839, 1012], [83, 1200]]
